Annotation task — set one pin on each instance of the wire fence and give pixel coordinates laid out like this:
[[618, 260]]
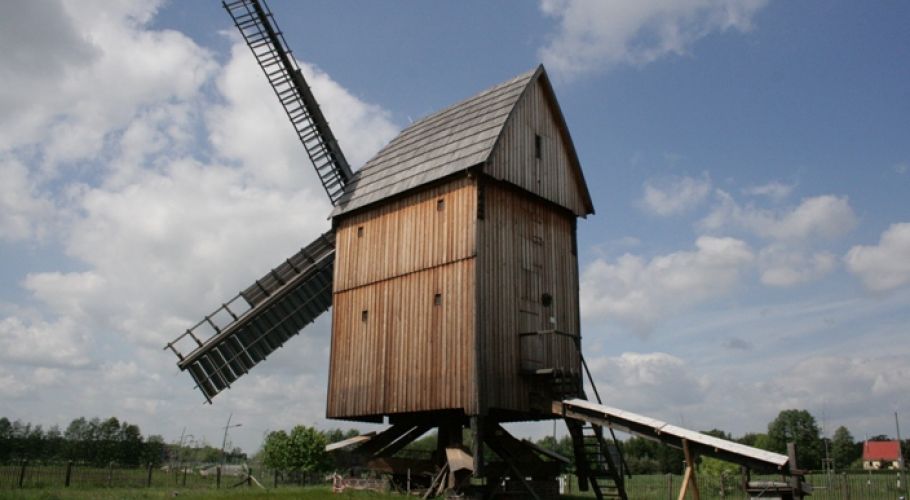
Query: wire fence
[[851, 485]]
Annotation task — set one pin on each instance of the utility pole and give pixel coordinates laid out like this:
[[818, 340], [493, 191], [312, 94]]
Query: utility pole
[[227, 426], [900, 453], [900, 444]]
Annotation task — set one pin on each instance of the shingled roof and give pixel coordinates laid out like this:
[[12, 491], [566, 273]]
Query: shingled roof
[[452, 140]]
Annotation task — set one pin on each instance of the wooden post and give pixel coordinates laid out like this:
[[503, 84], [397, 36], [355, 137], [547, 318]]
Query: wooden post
[[69, 474], [110, 474], [689, 478], [275, 479], [184, 474], [218, 476], [477, 428], [148, 480], [846, 487], [249, 478], [669, 486], [22, 472]]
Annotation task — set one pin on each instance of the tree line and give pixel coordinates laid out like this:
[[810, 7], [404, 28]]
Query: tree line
[[89, 441], [842, 450], [302, 449]]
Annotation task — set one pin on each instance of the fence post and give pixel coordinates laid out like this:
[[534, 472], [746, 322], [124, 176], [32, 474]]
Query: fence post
[[148, 481], [249, 477], [846, 487], [275, 479], [69, 474], [669, 486], [723, 486], [22, 472], [110, 474], [184, 474], [218, 476]]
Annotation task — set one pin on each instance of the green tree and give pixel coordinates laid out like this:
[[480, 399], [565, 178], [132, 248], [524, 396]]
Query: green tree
[[797, 426], [843, 448], [756, 440], [301, 450]]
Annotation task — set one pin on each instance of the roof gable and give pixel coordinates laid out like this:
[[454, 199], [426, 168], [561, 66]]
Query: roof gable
[[535, 152], [443, 143], [881, 450]]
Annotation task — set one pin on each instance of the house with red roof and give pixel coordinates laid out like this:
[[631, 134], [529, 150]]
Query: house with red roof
[[881, 455]]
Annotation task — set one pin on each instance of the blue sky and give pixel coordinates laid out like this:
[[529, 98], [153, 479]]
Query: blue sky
[[748, 162]]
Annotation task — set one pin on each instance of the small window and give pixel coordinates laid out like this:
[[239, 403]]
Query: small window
[[364, 315], [440, 204], [360, 231], [437, 299], [546, 299], [537, 146]]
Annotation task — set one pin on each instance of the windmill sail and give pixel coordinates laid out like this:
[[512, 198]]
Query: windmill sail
[[257, 25], [249, 327]]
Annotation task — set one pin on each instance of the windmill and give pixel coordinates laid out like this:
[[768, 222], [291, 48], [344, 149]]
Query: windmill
[[452, 271]]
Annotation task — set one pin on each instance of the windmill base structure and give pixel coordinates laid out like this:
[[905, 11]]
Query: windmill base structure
[[452, 273]]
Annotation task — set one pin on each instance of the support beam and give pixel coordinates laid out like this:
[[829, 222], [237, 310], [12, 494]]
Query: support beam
[[689, 478]]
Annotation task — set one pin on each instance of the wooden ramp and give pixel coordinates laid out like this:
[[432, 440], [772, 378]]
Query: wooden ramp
[[671, 435]]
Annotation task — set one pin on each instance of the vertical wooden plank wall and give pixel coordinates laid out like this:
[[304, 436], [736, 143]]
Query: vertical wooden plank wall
[[396, 346], [514, 158], [517, 231]]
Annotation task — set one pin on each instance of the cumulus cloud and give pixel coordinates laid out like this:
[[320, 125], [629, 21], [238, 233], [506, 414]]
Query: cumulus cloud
[[775, 191], [819, 217], [674, 195], [593, 34], [25, 212], [784, 266], [49, 344], [646, 382], [640, 292], [175, 182], [884, 266]]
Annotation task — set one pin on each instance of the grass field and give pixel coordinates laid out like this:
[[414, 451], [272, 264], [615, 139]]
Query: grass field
[[307, 493], [46, 484]]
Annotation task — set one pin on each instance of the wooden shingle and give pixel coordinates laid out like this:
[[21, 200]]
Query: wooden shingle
[[454, 139]]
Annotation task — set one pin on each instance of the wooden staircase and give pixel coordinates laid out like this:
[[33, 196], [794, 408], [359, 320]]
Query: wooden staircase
[[596, 461]]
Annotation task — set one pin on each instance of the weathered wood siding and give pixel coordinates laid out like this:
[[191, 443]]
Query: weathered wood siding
[[525, 249], [407, 235], [514, 159], [403, 308]]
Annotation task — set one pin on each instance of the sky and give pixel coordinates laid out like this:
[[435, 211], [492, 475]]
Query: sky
[[749, 165]]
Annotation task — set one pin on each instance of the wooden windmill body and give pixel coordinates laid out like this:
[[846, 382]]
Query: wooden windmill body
[[452, 270], [456, 275]]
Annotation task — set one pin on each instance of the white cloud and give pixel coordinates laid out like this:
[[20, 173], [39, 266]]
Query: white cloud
[[25, 213], [675, 195], [776, 191], [819, 217], [105, 68], [12, 387], [252, 127], [48, 344], [784, 266], [596, 34], [884, 266], [641, 293], [176, 182], [646, 382]]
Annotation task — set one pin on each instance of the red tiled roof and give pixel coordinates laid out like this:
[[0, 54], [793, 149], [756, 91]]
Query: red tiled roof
[[881, 450]]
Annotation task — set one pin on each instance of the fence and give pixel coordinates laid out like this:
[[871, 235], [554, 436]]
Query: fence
[[40, 475], [853, 485]]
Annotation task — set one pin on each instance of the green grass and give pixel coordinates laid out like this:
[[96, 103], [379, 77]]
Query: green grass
[[306, 493], [856, 485]]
